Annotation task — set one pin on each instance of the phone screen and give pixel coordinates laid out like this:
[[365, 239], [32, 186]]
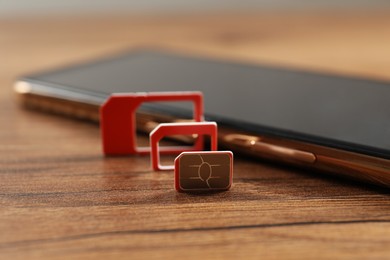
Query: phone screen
[[340, 112]]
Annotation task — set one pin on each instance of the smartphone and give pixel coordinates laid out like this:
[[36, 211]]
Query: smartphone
[[339, 125]]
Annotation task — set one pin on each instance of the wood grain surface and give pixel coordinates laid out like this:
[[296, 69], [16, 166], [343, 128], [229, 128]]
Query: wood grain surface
[[61, 199]]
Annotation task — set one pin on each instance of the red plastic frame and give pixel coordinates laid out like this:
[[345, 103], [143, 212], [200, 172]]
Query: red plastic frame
[[118, 124], [167, 129]]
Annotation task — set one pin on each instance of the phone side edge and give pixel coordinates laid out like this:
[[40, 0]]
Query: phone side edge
[[330, 160]]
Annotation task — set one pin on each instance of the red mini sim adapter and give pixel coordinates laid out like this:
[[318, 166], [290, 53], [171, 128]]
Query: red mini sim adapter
[[118, 124], [169, 129], [204, 171]]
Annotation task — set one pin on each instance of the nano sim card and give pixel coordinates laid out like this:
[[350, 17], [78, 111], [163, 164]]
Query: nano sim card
[[204, 171]]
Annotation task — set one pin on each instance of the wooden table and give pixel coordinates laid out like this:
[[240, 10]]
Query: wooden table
[[60, 198]]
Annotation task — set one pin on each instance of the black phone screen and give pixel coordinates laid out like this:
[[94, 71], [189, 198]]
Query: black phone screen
[[340, 112]]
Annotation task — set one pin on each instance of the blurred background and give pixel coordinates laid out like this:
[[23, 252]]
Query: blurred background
[[340, 36], [53, 7]]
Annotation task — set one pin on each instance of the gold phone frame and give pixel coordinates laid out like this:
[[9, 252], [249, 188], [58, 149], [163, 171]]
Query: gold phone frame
[[329, 160]]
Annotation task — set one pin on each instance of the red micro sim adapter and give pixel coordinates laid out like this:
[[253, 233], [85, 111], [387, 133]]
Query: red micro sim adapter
[[169, 129], [204, 171], [118, 124]]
